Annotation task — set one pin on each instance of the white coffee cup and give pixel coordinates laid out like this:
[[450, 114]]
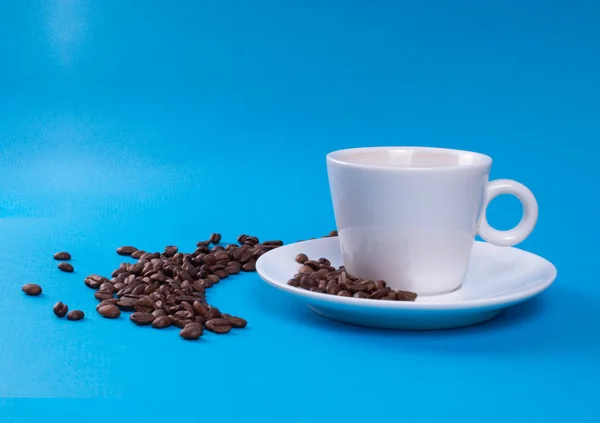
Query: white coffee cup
[[409, 215]]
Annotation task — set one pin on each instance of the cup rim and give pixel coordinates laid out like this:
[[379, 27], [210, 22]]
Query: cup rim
[[483, 161]]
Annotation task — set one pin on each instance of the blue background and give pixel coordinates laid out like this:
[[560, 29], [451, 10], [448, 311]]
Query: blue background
[[155, 123]]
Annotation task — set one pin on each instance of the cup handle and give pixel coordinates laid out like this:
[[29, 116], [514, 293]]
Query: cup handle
[[525, 226]]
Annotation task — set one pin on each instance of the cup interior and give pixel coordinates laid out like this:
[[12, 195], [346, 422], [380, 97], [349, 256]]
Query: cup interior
[[410, 157]]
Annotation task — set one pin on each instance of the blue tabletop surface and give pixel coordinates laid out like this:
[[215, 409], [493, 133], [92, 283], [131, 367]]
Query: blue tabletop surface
[[155, 123]]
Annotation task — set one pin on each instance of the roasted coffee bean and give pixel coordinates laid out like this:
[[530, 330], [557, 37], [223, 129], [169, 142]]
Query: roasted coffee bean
[[275, 243], [249, 266], [307, 270], [222, 274], [170, 250], [380, 293], [126, 250], [391, 297], [301, 258], [405, 296], [210, 260], [159, 313], [107, 287], [94, 281], [313, 264], [75, 315], [294, 282], [192, 331], [308, 283], [218, 325], [141, 318], [60, 309], [188, 298], [333, 233], [213, 279], [200, 309], [344, 293], [112, 301], [242, 239], [213, 312], [364, 286], [137, 254], [32, 289], [251, 240], [126, 303], [332, 288], [215, 238], [180, 323], [103, 295], [360, 294], [63, 255], [66, 267], [233, 270], [184, 315], [144, 305], [221, 255], [109, 311], [162, 322], [236, 322], [321, 284], [317, 289]]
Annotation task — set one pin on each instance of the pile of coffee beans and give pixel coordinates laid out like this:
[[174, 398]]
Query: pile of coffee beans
[[319, 276], [168, 288]]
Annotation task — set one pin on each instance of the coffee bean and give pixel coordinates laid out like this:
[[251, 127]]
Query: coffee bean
[[380, 293], [126, 250], [112, 301], [307, 270], [236, 322], [360, 294], [63, 255], [364, 287], [275, 243], [162, 322], [317, 289], [308, 283], [66, 267], [103, 295], [94, 281], [137, 254], [344, 293], [242, 239], [180, 323], [32, 289], [192, 331], [170, 250], [144, 305], [391, 297], [294, 282], [75, 315], [141, 318], [213, 312], [184, 315], [332, 288], [218, 325], [313, 264], [109, 311], [405, 296], [199, 308], [159, 313], [215, 238], [333, 233], [126, 303], [60, 309], [301, 258]]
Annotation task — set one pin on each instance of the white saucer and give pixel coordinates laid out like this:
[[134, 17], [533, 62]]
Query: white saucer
[[497, 277]]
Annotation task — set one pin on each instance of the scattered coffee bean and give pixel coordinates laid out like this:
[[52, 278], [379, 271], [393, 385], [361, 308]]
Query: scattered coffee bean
[[126, 250], [236, 322], [103, 295], [215, 238], [249, 267], [63, 255], [75, 315], [109, 311], [32, 289], [162, 322], [192, 331], [218, 325], [141, 318], [60, 309], [66, 267]]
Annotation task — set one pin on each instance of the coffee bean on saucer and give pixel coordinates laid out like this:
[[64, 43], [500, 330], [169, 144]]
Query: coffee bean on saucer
[[333, 233], [301, 258], [60, 309], [405, 296], [66, 267], [126, 250], [192, 331], [32, 289], [63, 255], [218, 325], [109, 311], [141, 318], [75, 315]]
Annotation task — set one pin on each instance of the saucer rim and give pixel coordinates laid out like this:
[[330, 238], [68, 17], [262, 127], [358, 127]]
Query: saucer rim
[[494, 302]]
